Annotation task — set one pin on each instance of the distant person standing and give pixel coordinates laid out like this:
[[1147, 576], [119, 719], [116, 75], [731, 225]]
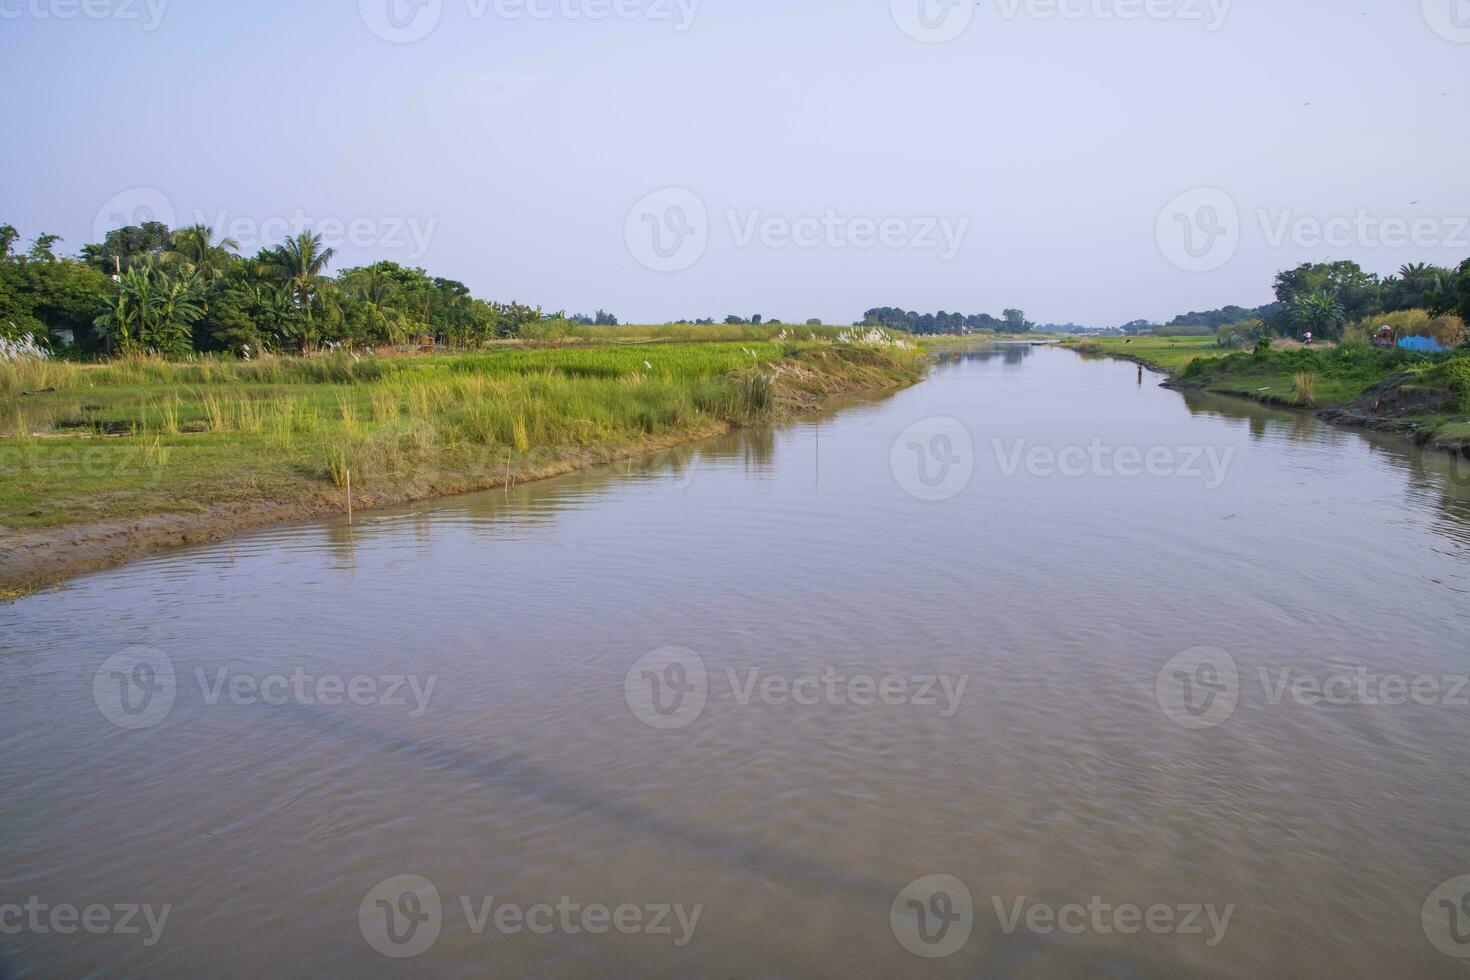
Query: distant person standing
[[1309, 338]]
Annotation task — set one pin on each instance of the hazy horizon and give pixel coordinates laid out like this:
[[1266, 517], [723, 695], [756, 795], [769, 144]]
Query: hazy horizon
[[511, 150]]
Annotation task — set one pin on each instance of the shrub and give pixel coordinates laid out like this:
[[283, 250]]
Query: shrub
[[1454, 373]]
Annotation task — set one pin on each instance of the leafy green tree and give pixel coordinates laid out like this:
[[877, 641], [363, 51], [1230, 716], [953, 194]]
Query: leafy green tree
[[1453, 295], [150, 310], [129, 245], [1318, 312], [42, 294], [511, 317], [65, 295], [1016, 322], [246, 312], [177, 311], [1358, 292], [41, 248], [125, 320], [196, 248]]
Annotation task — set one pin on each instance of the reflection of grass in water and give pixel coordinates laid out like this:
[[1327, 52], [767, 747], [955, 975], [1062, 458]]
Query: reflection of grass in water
[[212, 431]]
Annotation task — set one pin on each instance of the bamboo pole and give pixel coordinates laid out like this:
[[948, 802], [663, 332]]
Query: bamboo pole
[[349, 498]]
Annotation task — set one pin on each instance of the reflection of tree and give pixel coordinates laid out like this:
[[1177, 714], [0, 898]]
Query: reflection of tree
[[1015, 353], [1003, 352], [1434, 477], [1262, 418]]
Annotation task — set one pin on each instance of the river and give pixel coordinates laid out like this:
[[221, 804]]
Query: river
[[1133, 684]]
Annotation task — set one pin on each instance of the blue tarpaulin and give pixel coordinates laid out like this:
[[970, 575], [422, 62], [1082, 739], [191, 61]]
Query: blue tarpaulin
[[1426, 344]]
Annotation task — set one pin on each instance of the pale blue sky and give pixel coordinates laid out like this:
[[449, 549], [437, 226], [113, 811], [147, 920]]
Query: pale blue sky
[[519, 145]]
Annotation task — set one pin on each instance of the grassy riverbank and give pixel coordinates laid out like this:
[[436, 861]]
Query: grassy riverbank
[[1423, 396], [105, 461], [1166, 355]]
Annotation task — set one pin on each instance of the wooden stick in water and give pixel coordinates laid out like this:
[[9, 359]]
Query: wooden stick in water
[[349, 498]]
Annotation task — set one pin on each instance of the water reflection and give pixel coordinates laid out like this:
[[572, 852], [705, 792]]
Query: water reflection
[[785, 553], [1433, 477], [1011, 353]]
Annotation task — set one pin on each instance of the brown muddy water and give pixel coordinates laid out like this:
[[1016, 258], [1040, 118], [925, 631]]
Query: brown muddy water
[[848, 698]]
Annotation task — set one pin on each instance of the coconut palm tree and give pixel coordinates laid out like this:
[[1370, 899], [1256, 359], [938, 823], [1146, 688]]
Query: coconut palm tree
[[195, 247], [1416, 274], [368, 283], [299, 265]]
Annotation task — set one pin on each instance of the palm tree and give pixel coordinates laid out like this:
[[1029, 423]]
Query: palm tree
[[1415, 274], [368, 284], [299, 264], [1319, 312], [195, 247]]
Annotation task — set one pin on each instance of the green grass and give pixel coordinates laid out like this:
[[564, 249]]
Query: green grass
[[1167, 354], [146, 436], [1342, 373], [1431, 393], [1453, 373]]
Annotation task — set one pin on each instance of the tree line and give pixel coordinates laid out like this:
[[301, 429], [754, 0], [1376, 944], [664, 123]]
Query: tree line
[[149, 288], [896, 318], [1323, 297]]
